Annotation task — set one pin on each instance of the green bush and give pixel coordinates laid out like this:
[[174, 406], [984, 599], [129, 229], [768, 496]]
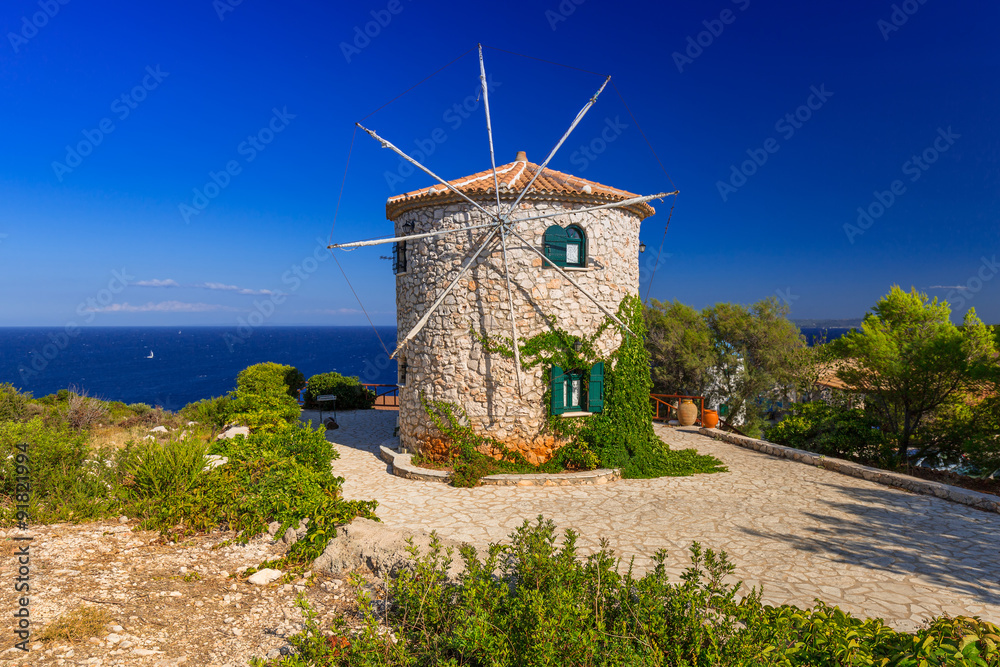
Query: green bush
[[846, 433], [264, 396], [157, 470], [348, 390], [966, 432], [535, 602], [213, 412], [280, 475], [13, 404], [69, 482]]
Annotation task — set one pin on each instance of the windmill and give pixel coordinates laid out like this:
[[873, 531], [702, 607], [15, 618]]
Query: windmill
[[469, 248]]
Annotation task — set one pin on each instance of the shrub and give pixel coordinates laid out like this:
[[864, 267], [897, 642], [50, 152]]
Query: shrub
[[13, 404], [281, 475], [535, 602], [214, 412], [834, 431], [83, 412], [263, 399], [156, 470], [351, 395], [68, 481]]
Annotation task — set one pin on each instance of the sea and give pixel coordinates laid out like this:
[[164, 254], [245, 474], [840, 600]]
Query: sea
[[173, 366]]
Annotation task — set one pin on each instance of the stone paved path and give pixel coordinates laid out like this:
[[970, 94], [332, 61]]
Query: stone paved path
[[801, 532]]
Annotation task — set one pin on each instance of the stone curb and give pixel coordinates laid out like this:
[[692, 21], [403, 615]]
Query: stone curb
[[402, 466], [983, 501]]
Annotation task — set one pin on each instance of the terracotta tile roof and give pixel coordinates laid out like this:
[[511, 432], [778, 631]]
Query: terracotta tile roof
[[513, 177]]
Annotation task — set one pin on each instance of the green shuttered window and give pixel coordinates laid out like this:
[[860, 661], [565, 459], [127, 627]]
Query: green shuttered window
[[577, 391], [566, 246]]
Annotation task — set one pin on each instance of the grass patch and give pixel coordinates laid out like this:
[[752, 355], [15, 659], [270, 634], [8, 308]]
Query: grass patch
[[77, 625]]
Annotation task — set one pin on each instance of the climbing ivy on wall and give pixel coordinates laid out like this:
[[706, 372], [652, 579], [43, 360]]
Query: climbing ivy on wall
[[621, 436]]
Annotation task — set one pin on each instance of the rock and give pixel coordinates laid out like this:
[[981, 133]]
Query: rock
[[145, 652], [176, 594], [117, 628], [123, 519], [113, 638], [159, 429], [234, 431], [380, 548], [192, 423], [272, 528], [223, 574], [214, 461], [264, 577]]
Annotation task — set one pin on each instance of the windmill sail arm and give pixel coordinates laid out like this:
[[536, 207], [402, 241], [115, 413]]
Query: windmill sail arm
[[437, 302], [552, 153], [575, 284], [489, 124], [410, 237], [513, 315], [618, 204], [388, 144]]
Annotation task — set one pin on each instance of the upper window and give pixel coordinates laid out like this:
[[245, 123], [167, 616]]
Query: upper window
[[566, 246]]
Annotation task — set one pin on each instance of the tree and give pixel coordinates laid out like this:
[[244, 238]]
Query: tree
[[680, 348], [909, 359], [758, 350]]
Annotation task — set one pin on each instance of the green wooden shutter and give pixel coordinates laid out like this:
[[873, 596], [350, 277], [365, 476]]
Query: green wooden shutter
[[556, 383], [555, 245], [595, 393]]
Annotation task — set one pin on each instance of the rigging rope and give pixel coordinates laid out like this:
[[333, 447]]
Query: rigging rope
[[431, 75]]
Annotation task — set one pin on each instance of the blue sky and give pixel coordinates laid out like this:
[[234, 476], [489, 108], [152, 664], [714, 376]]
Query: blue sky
[[833, 100]]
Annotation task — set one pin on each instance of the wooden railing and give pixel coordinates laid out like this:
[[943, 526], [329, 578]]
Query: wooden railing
[[660, 402], [386, 395]]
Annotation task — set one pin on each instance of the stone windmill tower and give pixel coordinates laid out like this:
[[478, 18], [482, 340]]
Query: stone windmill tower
[[512, 252]]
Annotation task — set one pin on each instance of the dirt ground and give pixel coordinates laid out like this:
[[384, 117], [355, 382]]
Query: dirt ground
[[169, 604]]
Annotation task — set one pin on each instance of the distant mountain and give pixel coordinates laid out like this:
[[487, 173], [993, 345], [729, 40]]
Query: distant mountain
[[828, 324]]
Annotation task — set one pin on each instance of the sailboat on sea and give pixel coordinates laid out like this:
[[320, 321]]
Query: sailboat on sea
[[150, 355]]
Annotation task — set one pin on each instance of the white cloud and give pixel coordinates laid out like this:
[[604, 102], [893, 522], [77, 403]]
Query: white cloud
[[169, 282], [161, 307], [948, 287], [233, 288]]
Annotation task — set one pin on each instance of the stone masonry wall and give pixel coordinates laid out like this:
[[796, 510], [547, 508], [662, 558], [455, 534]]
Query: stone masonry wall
[[446, 363]]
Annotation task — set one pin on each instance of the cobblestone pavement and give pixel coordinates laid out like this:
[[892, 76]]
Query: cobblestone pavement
[[801, 532]]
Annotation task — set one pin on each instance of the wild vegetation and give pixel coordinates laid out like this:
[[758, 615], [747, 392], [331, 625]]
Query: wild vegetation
[[163, 479], [535, 601]]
